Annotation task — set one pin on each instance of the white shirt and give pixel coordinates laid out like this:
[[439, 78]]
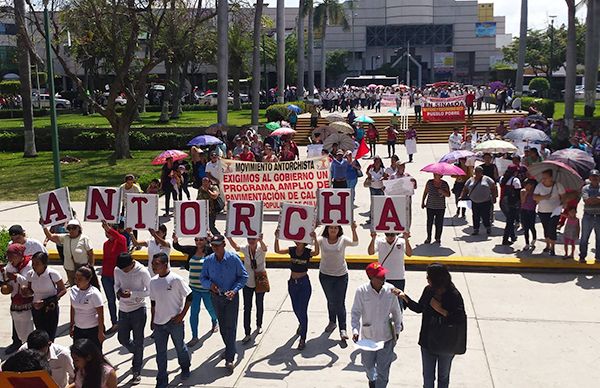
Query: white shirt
[[371, 313], [215, 170], [455, 141], [333, 260], [154, 248], [61, 364], [75, 250], [136, 281], [169, 294], [21, 275], [259, 256], [44, 285], [395, 261], [32, 246], [85, 303], [551, 204], [377, 178]]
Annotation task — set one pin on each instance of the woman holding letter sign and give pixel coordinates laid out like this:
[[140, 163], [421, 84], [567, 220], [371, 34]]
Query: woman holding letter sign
[[333, 274], [299, 286], [159, 243]]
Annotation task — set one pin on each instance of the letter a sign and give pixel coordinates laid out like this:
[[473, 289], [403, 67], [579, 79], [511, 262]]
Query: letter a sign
[[390, 214], [55, 207]]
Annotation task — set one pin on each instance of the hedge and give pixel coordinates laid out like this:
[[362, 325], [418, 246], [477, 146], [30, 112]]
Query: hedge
[[544, 105], [4, 240], [278, 112], [18, 113]]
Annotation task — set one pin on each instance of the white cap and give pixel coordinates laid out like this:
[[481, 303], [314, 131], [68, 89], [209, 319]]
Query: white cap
[[74, 222]]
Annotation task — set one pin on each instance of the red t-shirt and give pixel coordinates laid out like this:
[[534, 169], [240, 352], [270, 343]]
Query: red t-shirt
[[111, 250], [391, 134], [469, 99], [247, 156], [371, 134]]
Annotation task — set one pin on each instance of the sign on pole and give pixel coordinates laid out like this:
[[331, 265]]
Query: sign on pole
[[55, 207], [296, 222], [141, 210], [103, 204], [191, 218], [244, 219]]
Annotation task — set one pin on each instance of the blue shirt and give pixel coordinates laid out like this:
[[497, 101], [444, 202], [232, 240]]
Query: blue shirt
[[339, 169], [228, 274]]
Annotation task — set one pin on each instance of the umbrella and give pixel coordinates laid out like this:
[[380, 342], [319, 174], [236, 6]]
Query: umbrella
[[561, 172], [333, 118], [294, 108], [455, 155], [342, 128], [441, 84], [579, 160], [325, 131], [372, 86], [364, 119], [283, 131], [443, 169], [528, 134], [272, 126], [495, 146], [393, 111], [175, 154], [204, 140], [213, 129], [344, 142], [285, 124], [536, 118]]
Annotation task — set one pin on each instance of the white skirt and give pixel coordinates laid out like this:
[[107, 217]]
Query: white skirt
[[411, 146], [23, 322]]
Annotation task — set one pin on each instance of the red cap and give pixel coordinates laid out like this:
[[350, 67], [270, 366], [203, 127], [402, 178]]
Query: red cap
[[15, 249], [376, 270]]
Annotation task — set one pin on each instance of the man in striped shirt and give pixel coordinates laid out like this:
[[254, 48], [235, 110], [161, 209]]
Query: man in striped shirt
[[196, 254]]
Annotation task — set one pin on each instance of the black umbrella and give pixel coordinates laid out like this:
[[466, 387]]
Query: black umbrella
[[528, 135], [579, 160]]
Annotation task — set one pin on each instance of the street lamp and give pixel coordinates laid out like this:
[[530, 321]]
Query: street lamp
[[552, 17], [51, 92], [374, 57]]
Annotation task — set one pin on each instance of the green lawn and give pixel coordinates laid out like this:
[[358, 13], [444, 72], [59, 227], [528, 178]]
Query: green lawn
[[148, 120], [23, 178], [559, 110]]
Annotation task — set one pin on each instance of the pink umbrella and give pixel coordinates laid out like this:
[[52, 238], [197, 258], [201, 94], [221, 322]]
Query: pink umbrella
[[443, 169], [175, 154], [372, 86], [282, 132]]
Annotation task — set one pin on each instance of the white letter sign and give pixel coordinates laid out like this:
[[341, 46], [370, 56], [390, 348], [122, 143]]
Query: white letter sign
[[142, 211], [244, 219], [390, 214], [55, 207], [334, 206], [103, 203], [191, 218], [296, 222]]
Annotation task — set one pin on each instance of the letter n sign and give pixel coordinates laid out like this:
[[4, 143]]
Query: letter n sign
[[103, 203], [334, 206], [390, 214]]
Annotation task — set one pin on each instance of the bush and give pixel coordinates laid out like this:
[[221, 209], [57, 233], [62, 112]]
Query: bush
[[10, 87], [18, 113], [544, 105], [4, 240], [11, 141], [101, 140], [138, 140], [539, 84], [167, 140], [278, 112], [145, 179]]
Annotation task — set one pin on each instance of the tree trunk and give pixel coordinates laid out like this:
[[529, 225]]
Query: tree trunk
[[164, 113], [24, 64], [122, 150], [235, 76], [280, 51], [222, 60], [570, 68], [255, 95], [311, 50], [522, 49], [179, 76], [300, 58], [323, 51], [592, 48]]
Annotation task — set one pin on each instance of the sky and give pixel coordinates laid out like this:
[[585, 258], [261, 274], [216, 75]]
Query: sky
[[539, 10]]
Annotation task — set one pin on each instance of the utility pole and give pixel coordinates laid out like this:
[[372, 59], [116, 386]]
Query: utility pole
[[408, 64]]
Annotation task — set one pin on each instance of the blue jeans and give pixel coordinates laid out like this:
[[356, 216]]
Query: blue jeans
[[260, 298], [133, 321], [443, 361], [335, 288], [378, 364], [108, 283], [300, 291], [197, 298], [227, 314], [589, 222], [161, 337]]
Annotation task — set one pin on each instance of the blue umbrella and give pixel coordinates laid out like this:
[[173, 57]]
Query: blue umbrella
[[294, 108], [393, 111], [204, 140]]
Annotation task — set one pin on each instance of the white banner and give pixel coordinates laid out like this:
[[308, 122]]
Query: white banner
[[103, 204], [142, 211], [314, 151], [55, 207], [390, 214], [334, 207], [399, 186], [296, 222], [244, 219], [191, 218]]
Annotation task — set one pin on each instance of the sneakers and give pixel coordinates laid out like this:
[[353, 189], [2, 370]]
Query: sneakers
[[246, 339], [344, 335], [136, 379], [259, 330], [193, 342], [330, 327]]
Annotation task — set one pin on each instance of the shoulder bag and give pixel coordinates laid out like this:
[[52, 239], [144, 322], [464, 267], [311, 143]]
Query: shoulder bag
[[261, 279], [445, 337]]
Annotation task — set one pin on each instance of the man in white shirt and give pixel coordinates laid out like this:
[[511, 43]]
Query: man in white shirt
[[58, 356], [455, 140], [213, 169], [171, 298], [132, 286], [17, 235], [390, 252], [373, 304]]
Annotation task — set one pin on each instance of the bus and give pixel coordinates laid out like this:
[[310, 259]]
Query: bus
[[366, 80]]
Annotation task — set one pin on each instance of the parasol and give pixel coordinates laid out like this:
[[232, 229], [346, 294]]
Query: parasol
[[325, 131], [162, 157], [342, 128], [204, 140], [294, 108], [344, 142], [213, 129], [333, 118], [443, 169], [579, 160], [364, 119], [455, 155], [528, 134], [561, 172], [283, 131], [495, 146], [393, 111], [273, 125]]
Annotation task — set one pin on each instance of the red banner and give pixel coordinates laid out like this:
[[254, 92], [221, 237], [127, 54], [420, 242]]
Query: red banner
[[444, 109]]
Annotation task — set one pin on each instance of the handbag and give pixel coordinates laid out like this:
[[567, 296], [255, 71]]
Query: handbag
[[219, 204], [445, 337], [261, 279], [367, 182]]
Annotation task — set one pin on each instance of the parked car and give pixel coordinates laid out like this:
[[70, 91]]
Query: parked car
[[119, 100], [211, 99], [44, 101], [580, 92]]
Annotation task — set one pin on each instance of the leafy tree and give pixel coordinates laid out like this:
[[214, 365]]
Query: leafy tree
[[329, 12], [337, 64], [539, 84]]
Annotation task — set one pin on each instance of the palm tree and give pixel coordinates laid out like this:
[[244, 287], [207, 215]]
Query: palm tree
[[329, 11], [522, 48], [280, 50], [570, 67], [300, 57], [222, 60], [309, 9], [255, 97], [591, 54]]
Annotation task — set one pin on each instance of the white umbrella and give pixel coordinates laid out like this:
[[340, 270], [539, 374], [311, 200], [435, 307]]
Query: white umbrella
[[342, 127], [344, 142], [334, 118], [495, 146]]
